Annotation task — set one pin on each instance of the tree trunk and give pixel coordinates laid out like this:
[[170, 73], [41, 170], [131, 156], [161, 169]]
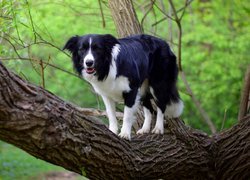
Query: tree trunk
[[125, 18], [56, 131], [245, 96]]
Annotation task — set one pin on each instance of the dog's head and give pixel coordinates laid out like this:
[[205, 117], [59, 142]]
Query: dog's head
[[92, 54]]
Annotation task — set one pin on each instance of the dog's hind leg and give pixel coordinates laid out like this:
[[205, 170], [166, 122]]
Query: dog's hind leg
[[159, 125], [161, 102], [148, 110]]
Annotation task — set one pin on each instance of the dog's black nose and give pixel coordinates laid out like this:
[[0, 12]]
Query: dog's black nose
[[89, 63]]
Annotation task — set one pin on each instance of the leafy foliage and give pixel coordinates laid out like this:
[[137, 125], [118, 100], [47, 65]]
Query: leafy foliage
[[22, 165], [215, 54]]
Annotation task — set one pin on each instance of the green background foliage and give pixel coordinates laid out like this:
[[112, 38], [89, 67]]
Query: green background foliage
[[16, 164], [215, 49]]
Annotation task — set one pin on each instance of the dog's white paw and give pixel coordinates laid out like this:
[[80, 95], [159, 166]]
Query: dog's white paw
[[125, 135], [158, 130], [143, 131], [113, 129]]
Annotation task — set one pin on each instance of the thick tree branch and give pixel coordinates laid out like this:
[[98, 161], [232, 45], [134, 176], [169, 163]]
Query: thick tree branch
[[58, 132]]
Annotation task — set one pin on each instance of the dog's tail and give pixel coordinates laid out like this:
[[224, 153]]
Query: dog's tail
[[174, 109]]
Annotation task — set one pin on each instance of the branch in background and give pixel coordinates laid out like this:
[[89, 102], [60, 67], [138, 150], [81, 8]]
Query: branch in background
[[102, 15], [154, 29], [15, 22], [245, 96], [6, 17], [23, 46], [38, 61], [203, 113], [42, 68], [151, 5], [187, 3], [145, 8], [13, 46], [164, 13], [168, 16], [31, 21], [170, 27], [178, 22]]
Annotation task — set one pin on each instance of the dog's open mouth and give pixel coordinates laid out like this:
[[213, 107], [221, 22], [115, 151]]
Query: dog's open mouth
[[90, 70]]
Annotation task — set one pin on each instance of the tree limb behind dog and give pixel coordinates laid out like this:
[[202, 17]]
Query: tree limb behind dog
[[51, 129]]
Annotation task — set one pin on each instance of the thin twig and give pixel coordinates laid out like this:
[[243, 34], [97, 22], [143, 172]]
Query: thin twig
[[203, 113], [6, 17], [14, 47], [15, 23], [179, 10], [224, 120], [167, 16], [28, 45], [42, 73], [37, 61], [245, 94], [183, 76], [170, 30], [147, 12], [178, 22], [184, 8], [31, 21], [102, 15]]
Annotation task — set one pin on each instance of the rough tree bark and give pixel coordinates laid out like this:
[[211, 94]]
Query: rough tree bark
[[125, 18], [56, 131]]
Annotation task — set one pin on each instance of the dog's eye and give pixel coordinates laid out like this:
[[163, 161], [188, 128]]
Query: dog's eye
[[81, 51], [84, 47], [95, 47]]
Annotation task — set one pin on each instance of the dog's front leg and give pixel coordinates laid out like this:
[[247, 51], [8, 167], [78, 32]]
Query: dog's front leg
[[110, 109], [131, 104]]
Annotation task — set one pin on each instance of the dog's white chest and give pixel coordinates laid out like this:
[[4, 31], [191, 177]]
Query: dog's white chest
[[112, 88]]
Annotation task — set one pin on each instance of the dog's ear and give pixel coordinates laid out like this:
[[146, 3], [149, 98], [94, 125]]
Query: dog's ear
[[109, 39], [71, 44]]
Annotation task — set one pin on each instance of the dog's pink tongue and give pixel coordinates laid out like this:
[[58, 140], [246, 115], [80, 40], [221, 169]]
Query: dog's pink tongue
[[90, 70]]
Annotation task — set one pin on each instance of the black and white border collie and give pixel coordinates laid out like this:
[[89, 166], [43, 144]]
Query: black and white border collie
[[129, 70]]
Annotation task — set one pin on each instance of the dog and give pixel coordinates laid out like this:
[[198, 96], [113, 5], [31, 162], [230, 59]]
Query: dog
[[131, 70]]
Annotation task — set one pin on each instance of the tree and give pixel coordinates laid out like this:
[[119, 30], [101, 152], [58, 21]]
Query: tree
[[124, 17], [58, 132]]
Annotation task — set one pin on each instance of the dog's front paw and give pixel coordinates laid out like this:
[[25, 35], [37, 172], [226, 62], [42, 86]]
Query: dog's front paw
[[125, 135], [143, 131], [158, 130], [114, 129]]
